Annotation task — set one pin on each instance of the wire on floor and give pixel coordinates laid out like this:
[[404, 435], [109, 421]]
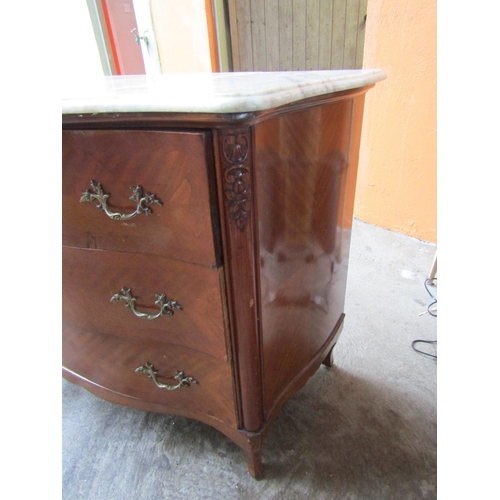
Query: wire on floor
[[428, 354], [433, 312], [432, 281]]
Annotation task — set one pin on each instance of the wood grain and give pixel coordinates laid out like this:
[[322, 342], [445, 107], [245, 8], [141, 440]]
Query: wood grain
[[325, 34], [312, 40], [361, 30], [298, 48], [285, 34], [171, 165], [259, 42], [301, 167], [297, 34], [92, 277], [110, 362], [264, 310], [351, 34], [272, 36], [234, 165]]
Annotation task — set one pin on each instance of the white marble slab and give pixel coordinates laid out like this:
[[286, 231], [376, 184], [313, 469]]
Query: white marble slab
[[208, 92]]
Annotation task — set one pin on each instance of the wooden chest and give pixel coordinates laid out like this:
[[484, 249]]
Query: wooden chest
[[205, 254]]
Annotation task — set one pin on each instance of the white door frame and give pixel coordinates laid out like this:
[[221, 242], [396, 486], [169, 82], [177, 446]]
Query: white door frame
[[145, 29]]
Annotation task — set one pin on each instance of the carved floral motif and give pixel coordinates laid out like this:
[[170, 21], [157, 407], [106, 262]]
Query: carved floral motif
[[238, 194], [237, 178]]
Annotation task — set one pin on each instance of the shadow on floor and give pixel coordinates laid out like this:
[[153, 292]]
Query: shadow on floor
[[341, 436]]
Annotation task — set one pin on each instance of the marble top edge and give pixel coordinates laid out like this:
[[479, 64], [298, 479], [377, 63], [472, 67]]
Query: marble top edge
[[208, 92]]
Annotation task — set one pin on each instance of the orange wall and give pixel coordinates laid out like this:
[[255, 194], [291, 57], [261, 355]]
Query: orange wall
[[397, 185]]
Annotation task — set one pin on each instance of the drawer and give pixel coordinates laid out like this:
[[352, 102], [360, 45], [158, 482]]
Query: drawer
[[92, 277], [172, 166], [111, 362]]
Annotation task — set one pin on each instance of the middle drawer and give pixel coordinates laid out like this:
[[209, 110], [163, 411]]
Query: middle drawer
[[92, 277]]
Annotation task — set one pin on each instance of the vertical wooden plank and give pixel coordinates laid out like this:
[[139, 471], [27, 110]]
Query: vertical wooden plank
[[234, 35], [325, 34], [351, 34], [244, 33], [299, 35], [272, 35], [258, 20], [281, 35], [360, 43], [338, 34], [285, 12], [312, 34]]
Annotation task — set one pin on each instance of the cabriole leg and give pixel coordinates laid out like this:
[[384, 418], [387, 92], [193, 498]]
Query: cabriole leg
[[254, 463], [252, 447], [329, 361]]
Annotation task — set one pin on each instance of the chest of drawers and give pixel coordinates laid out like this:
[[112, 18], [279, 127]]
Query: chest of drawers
[[206, 240]]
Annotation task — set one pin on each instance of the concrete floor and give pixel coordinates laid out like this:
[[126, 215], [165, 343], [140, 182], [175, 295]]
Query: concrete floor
[[365, 429]]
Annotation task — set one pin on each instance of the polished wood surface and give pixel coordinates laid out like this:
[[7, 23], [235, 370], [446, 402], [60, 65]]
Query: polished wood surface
[[110, 362], [256, 252], [234, 164], [302, 163], [171, 165], [92, 277]]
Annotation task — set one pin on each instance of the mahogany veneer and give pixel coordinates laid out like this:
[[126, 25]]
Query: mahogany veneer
[[252, 240]]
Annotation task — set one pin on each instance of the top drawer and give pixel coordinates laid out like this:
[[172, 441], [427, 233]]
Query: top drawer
[[173, 166]]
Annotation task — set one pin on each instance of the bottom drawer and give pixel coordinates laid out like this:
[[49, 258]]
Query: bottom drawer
[[111, 362]]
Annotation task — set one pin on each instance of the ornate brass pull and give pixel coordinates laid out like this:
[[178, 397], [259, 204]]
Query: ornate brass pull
[[182, 379], [166, 306], [139, 197]]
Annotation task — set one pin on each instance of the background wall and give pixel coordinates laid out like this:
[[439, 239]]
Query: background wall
[[397, 179], [182, 35]]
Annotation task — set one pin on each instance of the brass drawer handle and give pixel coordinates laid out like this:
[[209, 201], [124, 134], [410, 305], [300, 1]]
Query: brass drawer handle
[[182, 379], [139, 197], [166, 306]]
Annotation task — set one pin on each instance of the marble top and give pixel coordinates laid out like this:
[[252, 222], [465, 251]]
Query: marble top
[[207, 92]]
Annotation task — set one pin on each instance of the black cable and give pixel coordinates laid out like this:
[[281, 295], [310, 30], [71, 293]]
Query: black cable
[[422, 352], [432, 313]]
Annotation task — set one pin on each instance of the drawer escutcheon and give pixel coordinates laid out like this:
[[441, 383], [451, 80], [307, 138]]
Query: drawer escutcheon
[[166, 306], [182, 379], [139, 197]]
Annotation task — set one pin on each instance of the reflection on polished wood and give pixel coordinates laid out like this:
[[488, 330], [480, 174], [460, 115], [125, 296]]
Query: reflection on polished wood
[[304, 185], [252, 239]]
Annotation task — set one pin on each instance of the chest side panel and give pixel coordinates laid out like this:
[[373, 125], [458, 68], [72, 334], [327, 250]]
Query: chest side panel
[[301, 182]]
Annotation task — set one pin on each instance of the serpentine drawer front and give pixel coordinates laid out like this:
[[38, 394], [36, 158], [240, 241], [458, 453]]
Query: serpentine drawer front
[[206, 232], [112, 362], [91, 278], [171, 166]]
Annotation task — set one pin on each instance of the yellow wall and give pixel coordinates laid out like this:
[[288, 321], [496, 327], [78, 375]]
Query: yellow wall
[[396, 186], [182, 35]]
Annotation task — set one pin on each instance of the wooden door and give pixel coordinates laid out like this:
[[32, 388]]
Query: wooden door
[[280, 35]]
